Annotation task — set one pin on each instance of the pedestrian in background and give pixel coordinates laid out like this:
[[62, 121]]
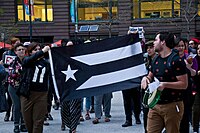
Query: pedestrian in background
[[104, 100], [196, 104], [70, 110], [192, 67], [7, 58], [149, 56], [15, 70]]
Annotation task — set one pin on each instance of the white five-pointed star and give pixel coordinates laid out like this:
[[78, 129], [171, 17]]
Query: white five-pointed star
[[69, 73]]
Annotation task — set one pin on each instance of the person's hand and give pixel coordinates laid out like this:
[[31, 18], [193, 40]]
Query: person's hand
[[161, 86], [46, 49], [1, 62], [198, 72], [188, 64], [144, 83]]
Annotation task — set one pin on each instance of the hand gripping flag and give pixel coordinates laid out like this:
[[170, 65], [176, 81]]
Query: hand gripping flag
[[98, 67]]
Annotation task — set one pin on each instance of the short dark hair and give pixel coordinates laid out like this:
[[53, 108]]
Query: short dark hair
[[18, 45], [177, 40], [168, 38], [64, 42], [32, 46]]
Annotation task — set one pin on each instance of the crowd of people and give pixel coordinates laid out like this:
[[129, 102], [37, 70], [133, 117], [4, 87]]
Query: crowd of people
[[174, 61]]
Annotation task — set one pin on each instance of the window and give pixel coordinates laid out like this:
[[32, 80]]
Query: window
[[97, 9], [156, 8], [42, 11]]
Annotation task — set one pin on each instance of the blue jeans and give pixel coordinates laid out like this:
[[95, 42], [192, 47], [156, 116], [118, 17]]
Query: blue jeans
[[106, 99], [87, 103], [17, 106]]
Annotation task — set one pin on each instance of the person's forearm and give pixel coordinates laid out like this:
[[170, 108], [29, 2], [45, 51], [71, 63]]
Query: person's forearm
[[176, 85], [192, 71]]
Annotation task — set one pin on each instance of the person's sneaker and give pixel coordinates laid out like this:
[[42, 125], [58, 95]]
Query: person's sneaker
[[50, 117], [81, 118], [138, 121], [23, 128], [46, 123], [87, 116], [56, 106], [95, 121], [109, 116], [127, 123], [62, 127], [16, 129], [107, 119], [6, 118]]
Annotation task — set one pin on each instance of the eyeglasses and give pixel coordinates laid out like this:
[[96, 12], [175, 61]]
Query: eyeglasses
[[20, 49]]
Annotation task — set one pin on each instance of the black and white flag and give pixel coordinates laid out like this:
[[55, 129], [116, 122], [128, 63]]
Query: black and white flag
[[98, 67]]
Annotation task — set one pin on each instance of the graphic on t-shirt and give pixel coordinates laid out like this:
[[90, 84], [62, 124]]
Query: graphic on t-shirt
[[39, 74], [9, 59]]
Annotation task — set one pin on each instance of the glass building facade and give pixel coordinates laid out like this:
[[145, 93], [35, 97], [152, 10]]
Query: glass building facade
[[156, 8], [42, 11], [99, 10]]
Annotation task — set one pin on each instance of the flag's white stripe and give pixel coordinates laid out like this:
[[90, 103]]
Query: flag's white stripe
[[114, 77], [110, 55]]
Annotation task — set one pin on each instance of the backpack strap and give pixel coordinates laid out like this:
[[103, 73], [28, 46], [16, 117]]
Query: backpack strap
[[169, 60], [154, 59]]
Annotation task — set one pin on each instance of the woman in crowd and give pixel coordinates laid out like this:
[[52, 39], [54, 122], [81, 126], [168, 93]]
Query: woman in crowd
[[100, 100], [35, 78], [149, 56], [7, 58], [192, 66], [15, 70], [196, 105], [71, 110]]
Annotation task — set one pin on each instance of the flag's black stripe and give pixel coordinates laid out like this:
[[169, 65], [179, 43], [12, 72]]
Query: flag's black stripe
[[128, 84], [118, 65], [99, 46]]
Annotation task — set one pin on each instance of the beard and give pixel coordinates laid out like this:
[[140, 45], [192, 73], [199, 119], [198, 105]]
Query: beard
[[158, 49]]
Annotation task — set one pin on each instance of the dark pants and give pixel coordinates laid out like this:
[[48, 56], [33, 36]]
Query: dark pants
[[187, 101], [145, 116], [33, 110], [145, 112], [49, 101], [17, 106], [132, 102], [196, 113], [9, 101]]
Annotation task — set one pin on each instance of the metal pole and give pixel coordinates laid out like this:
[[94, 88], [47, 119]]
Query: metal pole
[[76, 20], [3, 39], [4, 42], [30, 21]]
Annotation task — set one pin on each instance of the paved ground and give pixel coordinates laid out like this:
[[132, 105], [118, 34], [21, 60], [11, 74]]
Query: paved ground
[[114, 126]]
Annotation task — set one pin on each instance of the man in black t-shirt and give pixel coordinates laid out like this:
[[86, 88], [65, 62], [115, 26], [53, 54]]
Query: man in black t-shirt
[[170, 70]]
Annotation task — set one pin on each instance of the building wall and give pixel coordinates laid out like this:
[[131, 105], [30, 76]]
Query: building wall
[[61, 27]]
